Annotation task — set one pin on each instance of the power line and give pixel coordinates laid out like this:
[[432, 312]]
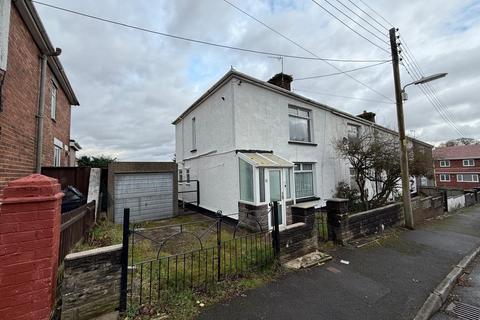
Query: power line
[[340, 96], [269, 53], [309, 51], [378, 14], [411, 61], [346, 25], [409, 55], [368, 15], [354, 21], [338, 73], [429, 98], [359, 16]]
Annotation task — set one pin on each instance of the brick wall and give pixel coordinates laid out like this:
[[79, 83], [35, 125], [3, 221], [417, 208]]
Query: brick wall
[[427, 208], [20, 104], [301, 237], [29, 244], [344, 226], [91, 283], [456, 166]]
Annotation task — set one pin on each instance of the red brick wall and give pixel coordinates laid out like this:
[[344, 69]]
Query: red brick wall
[[456, 167], [20, 104], [29, 245]]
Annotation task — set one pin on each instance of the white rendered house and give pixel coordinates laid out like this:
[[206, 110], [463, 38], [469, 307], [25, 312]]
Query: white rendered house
[[250, 142]]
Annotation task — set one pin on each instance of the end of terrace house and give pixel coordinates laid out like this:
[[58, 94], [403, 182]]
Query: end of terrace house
[[249, 142]]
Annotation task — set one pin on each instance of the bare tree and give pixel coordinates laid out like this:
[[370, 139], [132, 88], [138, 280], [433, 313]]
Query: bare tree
[[374, 157]]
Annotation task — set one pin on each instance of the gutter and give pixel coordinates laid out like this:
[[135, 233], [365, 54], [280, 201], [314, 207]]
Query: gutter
[[32, 20]]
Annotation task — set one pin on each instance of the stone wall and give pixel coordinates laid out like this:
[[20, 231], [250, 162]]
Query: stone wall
[[253, 217], [344, 226], [91, 284], [470, 198], [426, 208], [299, 238]]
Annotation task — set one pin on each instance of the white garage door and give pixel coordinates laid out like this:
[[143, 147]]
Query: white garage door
[[148, 195]]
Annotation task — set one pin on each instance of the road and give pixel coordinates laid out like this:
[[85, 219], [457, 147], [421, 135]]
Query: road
[[386, 281]]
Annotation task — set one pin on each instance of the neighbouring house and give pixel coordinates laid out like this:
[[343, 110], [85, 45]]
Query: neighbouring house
[[73, 148], [457, 166], [250, 142], [24, 44]]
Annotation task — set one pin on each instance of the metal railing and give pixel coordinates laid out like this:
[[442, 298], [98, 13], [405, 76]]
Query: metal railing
[[216, 259]]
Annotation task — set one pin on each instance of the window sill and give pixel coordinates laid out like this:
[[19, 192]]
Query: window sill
[[306, 199], [54, 120], [193, 150], [303, 143]]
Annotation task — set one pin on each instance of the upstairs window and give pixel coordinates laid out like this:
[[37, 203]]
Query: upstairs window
[[300, 126], [180, 175], [187, 173], [444, 163], [194, 134], [467, 177], [353, 131], [469, 163], [53, 101]]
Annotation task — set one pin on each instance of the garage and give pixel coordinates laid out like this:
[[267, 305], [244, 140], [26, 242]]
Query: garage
[[150, 195]]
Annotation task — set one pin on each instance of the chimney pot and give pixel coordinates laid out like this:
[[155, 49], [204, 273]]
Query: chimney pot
[[369, 116]]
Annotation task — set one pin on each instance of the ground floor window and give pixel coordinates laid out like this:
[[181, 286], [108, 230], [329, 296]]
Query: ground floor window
[[57, 156], [467, 177], [246, 181], [303, 180], [444, 177]]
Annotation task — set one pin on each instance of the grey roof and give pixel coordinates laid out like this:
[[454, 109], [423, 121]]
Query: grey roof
[[232, 73]]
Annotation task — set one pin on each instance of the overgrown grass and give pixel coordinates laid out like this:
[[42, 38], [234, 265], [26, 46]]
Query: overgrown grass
[[187, 304]]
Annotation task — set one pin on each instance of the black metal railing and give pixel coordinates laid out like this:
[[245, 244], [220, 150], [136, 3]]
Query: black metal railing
[[216, 251]]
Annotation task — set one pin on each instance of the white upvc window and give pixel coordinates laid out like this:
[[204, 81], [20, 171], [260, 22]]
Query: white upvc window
[[180, 175], [467, 177], [469, 163], [57, 156], [194, 134], [353, 131], [187, 174], [246, 181], [444, 177], [444, 163], [304, 182], [300, 124], [53, 101]]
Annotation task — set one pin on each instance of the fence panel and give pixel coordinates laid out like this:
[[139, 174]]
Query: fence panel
[[70, 176], [75, 225]]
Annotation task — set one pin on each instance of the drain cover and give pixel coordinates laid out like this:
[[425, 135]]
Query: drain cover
[[464, 311]]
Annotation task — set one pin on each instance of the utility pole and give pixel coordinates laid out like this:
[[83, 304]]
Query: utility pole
[[407, 205]]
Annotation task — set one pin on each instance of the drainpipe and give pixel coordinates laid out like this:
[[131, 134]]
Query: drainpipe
[[41, 109]]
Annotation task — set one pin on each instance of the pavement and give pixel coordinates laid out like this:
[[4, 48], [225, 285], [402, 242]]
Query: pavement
[[389, 280], [464, 300]]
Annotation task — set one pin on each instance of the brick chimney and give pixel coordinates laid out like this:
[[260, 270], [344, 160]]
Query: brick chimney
[[369, 116], [282, 80]]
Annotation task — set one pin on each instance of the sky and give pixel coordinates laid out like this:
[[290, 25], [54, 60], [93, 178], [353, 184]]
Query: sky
[[131, 85]]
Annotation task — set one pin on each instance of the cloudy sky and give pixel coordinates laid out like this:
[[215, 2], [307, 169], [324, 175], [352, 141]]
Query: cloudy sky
[[132, 84]]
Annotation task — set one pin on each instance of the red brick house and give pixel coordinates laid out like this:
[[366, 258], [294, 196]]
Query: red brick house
[[26, 50], [457, 166]]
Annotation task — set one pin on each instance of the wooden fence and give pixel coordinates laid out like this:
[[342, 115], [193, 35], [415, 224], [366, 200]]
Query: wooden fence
[[70, 176], [75, 225]]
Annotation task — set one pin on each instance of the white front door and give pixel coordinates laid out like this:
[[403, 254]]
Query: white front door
[[275, 192]]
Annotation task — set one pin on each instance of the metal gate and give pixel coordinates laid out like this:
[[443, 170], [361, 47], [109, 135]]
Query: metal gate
[[211, 256]]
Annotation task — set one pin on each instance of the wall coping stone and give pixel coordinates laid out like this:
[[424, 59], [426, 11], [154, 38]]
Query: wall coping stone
[[376, 209], [337, 200], [92, 252], [306, 205], [293, 226]]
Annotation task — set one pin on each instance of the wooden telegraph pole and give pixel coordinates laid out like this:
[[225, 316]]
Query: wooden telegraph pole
[[407, 205]]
